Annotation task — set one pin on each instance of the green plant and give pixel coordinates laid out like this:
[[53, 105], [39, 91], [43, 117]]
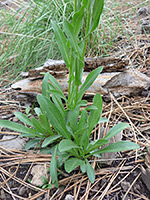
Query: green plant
[[67, 130]]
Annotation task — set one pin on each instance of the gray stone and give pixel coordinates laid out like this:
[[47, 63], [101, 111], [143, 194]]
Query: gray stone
[[13, 142], [69, 197]]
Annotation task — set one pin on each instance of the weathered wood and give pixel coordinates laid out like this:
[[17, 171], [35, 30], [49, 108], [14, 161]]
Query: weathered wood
[[130, 82], [58, 67]]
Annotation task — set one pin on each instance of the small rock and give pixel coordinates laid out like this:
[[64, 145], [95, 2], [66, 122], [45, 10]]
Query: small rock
[[38, 171], [145, 26], [12, 142], [144, 11], [125, 185], [69, 197], [145, 173], [22, 190], [3, 196]]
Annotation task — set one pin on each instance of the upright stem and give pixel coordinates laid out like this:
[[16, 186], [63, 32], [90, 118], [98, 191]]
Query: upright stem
[[75, 5]]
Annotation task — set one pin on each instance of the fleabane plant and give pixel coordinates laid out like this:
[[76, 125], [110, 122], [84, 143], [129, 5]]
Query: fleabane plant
[[67, 130]]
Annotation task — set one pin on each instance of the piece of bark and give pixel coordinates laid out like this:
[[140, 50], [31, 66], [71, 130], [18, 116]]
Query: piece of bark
[[129, 83], [58, 67], [145, 173], [33, 86]]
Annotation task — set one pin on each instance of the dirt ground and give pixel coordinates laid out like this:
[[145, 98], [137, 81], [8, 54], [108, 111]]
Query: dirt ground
[[123, 177]]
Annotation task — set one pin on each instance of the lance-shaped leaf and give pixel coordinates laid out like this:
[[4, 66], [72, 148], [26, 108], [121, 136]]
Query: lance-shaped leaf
[[69, 31], [72, 163], [95, 114], [22, 117], [53, 168], [119, 146], [97, 8], [66, 145], [78, 20], [54, 115], [116, 129], [90, 172], [89, 81], [62, 43], [17, 127]]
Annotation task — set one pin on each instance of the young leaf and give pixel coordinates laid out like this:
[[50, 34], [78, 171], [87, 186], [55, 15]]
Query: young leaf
[[54, 115], [97, 8], [103, 120], [66, 145], [116, 129], [95, 114], [90, 172], [23, 118], [73, 118], [58, 103], [77, 20], [89, 81], [96, 144], [38, 126], [32, 143], [69, 30], [55, 83], [58, 94], [119, 146], [83, 167], [45, 85], [79, 65], [50, 140], [72, 163], [17, 127], [53, 168], [45, 123], [62, 43]]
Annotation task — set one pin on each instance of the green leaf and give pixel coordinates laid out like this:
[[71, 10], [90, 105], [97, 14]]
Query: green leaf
[[90, 172], [58, 94], [72, 163], [45, 85], [45, 123], [17, 127], [73, 118], [97, 8], [66, 145], [119, 146], [22, 117], [58, 103], [77, 20], [54, 115], [83, 167], [116, 129], [69, 30], [79, 65], [95, 114], [55, 83], [89, 81], [38, 111], [27, 110], [96, 144], [50, 140], [103, 120], [91, 107], [83, 120], [38, 126], [62, 43], [32, 143], [53, 168]]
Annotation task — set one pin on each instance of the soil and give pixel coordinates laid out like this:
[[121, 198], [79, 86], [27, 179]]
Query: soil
[[120, 180]]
